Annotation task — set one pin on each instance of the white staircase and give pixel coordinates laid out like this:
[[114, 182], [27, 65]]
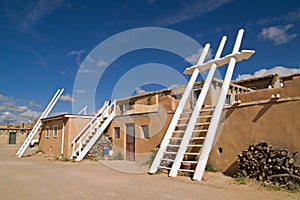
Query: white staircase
[[186, 146], [38, 124], [89, 135]]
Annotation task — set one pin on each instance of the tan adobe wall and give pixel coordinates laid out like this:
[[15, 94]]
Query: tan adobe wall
[[73, 127], [290, 89], [260, 119], [21, 130], [51, 145]]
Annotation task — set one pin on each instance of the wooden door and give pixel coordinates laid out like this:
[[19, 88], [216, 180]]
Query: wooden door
[[130, 142], [12, 138]]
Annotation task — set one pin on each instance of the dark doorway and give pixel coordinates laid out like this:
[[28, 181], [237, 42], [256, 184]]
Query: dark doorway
[[12, 138], [130, 142]]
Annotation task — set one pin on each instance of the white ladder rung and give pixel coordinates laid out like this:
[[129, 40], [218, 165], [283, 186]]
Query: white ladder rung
[[180, 125], [173, 145], [184, 118], [191, 153], [202, 123], [175, 138], [186, 170], [195, 145], [200, 131], [189, 161], [170, 152], [204, 116], [197, 138], [164, 167], [168, 159]]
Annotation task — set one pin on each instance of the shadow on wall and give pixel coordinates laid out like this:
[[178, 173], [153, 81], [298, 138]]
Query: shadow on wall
[[264, 109]]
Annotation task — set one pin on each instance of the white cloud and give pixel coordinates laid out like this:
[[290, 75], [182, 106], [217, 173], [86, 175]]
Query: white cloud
[[33, 104], [67, 98], [77, 55], [278, 34], [101, 63], [11, 112], [191, 11], [139, 90], [282, 71], [28, 13], [85, 70], [193, 59]]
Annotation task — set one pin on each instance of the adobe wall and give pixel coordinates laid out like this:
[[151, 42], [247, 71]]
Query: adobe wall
[[72, 128], [21, 130], [51, 145], [259, 118]]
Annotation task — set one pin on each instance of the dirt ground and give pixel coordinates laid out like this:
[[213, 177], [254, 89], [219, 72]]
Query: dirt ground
[[38, 177]]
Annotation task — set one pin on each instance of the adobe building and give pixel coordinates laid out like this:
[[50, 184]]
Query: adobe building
[[269, 113], [258, 109], [58, 131], [14, 134]]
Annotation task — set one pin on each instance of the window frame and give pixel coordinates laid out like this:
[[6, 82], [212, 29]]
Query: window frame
[[47, 134], [119, 132], [55, 131], [147, 135]]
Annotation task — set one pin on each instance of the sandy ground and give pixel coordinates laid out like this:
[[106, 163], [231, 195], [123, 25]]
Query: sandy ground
[[38, 177]]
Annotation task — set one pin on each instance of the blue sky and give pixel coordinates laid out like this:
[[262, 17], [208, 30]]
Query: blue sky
[[43, 43]]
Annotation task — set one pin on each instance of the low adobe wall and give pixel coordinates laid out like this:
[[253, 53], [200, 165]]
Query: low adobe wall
[[258, 118]]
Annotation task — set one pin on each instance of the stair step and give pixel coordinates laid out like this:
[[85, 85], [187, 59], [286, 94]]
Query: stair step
[[195, 145], [191, 153], [184, 118], [200, 131], [202, 123], [204, 116], [179, 131], [175, 138], [173, 145], [197, 138], [186, 170], [170, 152], [206, 109], [167, 159], [181, 125], [189, 161], [164, 167]]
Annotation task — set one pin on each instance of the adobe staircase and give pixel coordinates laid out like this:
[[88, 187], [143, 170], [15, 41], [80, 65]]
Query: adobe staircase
[[38, 124], [89, 135], [190, 135]]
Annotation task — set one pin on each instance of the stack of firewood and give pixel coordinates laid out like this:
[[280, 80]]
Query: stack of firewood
[[269, 164]]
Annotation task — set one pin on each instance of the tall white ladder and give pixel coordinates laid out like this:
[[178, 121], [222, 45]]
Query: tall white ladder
[[89, 135], [204, 140], [38, 124]]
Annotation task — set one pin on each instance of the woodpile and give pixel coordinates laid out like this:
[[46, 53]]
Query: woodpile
[[269, 164]]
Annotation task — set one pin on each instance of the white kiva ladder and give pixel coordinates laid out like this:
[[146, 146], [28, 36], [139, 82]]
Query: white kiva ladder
[[189, 138], [89, 135], [38, 124]]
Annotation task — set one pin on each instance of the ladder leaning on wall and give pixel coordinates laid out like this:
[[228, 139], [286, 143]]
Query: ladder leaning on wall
[[196, 128], [38, 124]]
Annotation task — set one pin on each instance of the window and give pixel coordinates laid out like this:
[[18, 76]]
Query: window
[[117, 132], [12, 138], [145, 129], [228, 99], [47, 131], [55, 131]]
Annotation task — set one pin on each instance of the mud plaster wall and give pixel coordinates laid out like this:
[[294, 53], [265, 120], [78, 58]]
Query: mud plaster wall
[[52, 145], [274, 122]]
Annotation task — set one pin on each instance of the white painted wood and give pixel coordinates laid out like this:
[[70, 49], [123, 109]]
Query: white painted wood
[[99, 130], [38, 124], [193, 119], [210, 136], [239, 56], [180, 107]]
